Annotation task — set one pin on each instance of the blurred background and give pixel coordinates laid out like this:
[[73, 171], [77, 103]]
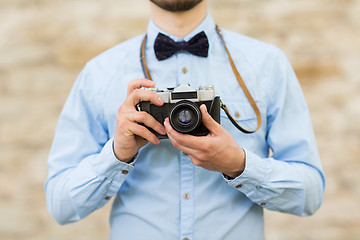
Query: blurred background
[[45, 43]]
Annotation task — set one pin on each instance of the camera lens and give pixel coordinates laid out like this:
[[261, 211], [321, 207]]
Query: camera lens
[[185, 116]]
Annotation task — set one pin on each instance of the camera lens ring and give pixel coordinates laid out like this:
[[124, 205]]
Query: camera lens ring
[[192, 121]]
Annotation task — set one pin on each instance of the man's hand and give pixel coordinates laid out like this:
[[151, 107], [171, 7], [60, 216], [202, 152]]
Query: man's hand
[[218, 151], [129, 135]]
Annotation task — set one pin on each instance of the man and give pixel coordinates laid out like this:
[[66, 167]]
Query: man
[[184, 187]]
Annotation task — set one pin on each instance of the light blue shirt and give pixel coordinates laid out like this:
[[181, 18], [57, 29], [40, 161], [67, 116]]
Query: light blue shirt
[[163, 195]]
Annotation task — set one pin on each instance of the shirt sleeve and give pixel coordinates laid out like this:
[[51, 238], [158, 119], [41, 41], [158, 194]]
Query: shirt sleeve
[[292, 179], [83, 170]]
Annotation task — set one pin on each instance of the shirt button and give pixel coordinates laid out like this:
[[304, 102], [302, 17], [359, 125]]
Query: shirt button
[[107, 198], [186, 239], [184, 70], [125, 172], [186, 196], [237, 114], [239, 186]]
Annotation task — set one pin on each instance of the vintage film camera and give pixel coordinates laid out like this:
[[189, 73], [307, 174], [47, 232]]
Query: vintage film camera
[[182, 106]]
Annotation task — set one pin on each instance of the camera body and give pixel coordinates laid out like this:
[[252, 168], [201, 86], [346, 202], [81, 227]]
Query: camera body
[[182, 106]]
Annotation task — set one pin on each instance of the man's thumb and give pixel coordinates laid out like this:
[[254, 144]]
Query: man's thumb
[[208, 121]]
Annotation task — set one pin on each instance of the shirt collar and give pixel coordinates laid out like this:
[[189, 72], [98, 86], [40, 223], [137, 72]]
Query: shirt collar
[[207, 25]]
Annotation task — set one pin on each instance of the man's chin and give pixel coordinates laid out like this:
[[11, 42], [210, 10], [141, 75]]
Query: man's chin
[[176, 5]]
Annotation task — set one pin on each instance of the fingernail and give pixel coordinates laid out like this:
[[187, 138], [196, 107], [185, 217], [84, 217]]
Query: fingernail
[[203, 106], [157, 141], [160, 100], [150, 81], [163, 130]]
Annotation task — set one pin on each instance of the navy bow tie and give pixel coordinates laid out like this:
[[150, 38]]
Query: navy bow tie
[[165, 47]]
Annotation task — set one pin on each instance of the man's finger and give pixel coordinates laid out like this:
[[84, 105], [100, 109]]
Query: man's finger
[[147, 119], [143, 132], [144, 95], [208, 121], [186, 150], [185, 140], [139, 83]]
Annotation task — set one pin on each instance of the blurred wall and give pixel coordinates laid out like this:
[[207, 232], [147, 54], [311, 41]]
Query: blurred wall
[[45, 43]]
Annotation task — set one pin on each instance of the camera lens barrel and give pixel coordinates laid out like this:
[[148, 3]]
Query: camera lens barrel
[[185, 116]]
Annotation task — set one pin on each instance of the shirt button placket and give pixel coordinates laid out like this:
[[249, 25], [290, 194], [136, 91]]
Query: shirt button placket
[[186, 167], [183, 68], [186, 197]]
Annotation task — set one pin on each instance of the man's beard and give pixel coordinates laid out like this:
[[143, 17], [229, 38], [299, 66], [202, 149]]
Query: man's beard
[[176, 5]]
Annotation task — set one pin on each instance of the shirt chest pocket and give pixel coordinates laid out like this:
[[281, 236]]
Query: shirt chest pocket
[[242, 112]]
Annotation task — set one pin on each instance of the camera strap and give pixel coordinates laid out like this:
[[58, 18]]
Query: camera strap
[[222, 105]]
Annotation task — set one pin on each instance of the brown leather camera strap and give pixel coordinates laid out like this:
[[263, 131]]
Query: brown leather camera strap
[[245, 89], [143, 60], [222, 105]]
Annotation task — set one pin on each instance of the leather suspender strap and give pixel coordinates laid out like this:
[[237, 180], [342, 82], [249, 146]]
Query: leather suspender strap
[[222, 105], [245, 89]]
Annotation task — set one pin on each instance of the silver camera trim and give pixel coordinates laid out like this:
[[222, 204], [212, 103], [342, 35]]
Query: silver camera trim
[[206, 93]]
